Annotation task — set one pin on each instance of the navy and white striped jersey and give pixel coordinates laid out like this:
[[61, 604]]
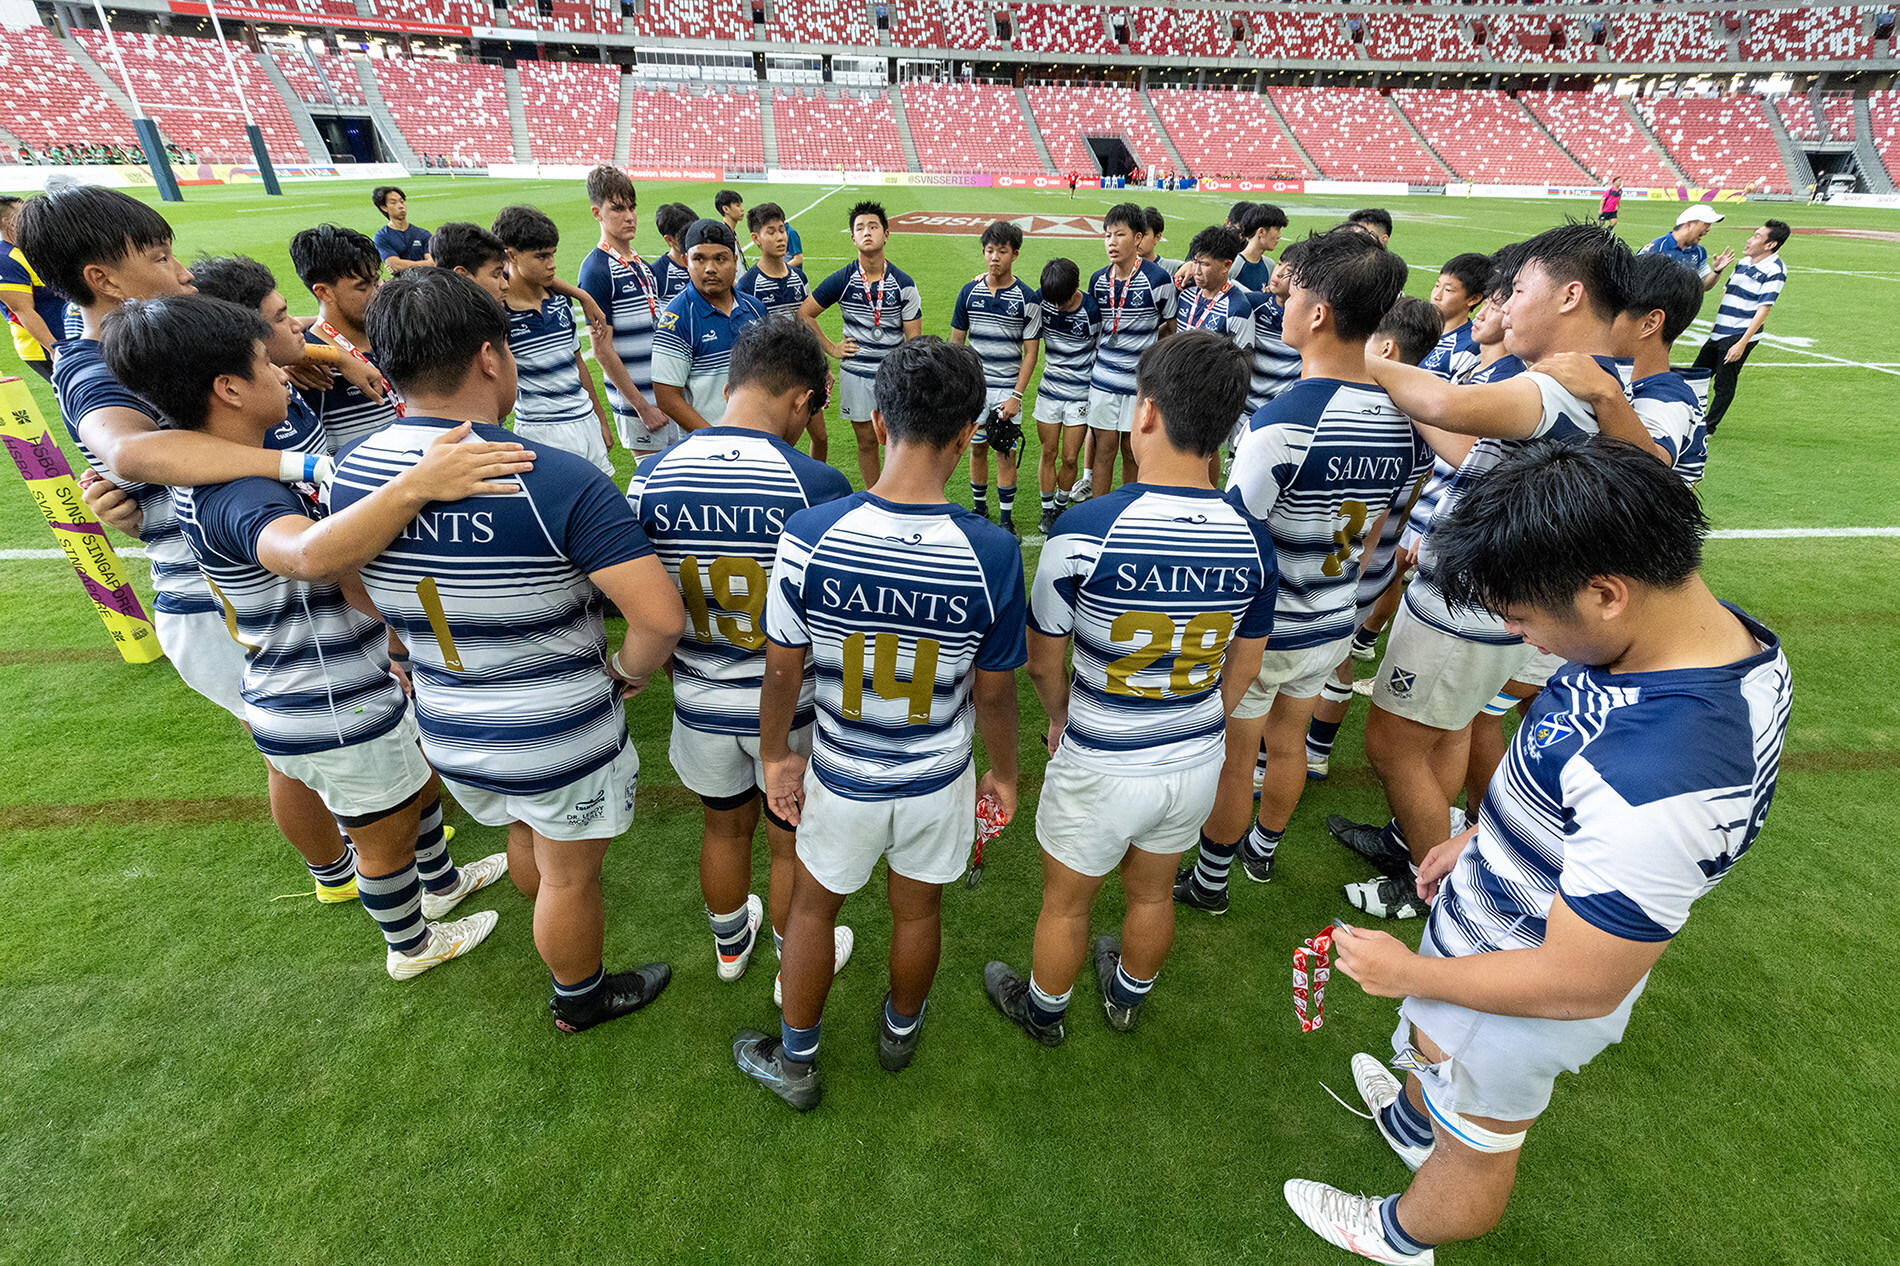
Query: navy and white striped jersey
[[1753, 283], [777, 294], [1275, 365], [301, 431], [1231, 312], [1381, 561], [1318, 464], [74, 326], [492, 597], [998, 322], [1153, 582], [314, 675], [1672, 415], [692, 349], [346, 413], [631, 299], [1455, 355], [670, 276], [1133, 312], [82, 384], [874, 317], [714, 506], [1420, 520], [1254, 274], [545, 343], [1630, 794], [1068, 349], [1564, 417], [900, 604]]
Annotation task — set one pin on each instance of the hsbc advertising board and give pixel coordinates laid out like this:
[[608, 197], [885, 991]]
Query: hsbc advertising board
[[1218, 185], [967, 224]]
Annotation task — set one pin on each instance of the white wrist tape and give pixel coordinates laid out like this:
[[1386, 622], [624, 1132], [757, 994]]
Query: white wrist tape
[[309, 468]]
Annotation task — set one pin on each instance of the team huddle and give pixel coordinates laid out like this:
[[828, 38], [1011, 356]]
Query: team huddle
[[398, 595]]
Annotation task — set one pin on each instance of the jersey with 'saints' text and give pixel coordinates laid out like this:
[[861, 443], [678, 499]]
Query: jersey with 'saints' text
[[1154, 583]]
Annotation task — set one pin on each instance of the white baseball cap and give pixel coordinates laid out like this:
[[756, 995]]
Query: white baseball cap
[[1700, 211]]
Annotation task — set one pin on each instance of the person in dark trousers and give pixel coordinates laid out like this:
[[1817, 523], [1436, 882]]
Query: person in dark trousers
[[1752, 290]]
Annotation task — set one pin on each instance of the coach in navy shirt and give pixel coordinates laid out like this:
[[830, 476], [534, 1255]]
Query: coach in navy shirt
[[692, 345], [400, 243]]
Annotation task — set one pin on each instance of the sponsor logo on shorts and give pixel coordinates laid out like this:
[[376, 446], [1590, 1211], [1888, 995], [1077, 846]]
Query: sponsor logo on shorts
[[961, 225], [592, 809], [1401, 683]]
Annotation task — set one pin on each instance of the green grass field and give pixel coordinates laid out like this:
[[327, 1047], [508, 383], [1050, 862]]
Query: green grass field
[[191, 1072]]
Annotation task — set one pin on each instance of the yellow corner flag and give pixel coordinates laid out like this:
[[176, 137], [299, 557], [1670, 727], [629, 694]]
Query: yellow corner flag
[[50, 479]]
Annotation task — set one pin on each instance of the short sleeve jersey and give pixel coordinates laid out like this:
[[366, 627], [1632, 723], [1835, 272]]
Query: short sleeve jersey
[[630, 297], [1068, 350], [1455, 355], [998, 323], [18, 278], [1133, 312], [900, 604], [1153, 583], [1231, 312], [874, 315], [345, 412], [313, 680], [670, 276], [1694, 258], [1562, 416], [692, 348], [410, 244], [1253, 274], [1753, 283], [1672, 415], [775, 294], [492, 597], [1630, 794], [545, 343], [1319, 464], [1275, 365], [714, 506]]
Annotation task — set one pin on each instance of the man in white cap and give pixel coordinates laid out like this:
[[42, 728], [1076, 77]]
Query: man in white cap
[[1684, 244]]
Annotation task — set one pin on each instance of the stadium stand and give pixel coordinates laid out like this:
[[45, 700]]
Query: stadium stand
[[1353, 135], [969, 128], [692, 20], [341, 72], [1797, 116], [819, 21], [1883, 110], [1303, 34], [685, 130], [1839, 109], [1181, 32], [1067, 115], [1720, 141], [1485, 137], [917, 24], [48, 101], [1595, 129], [183, 84], [302, 76], [1533, 38], [441, 12], [1418, 38], [1064, 28], [1663, 37], [457, 109], [1794, 35], [966, 24], [572, 108], [1220, 132], [854, 133]]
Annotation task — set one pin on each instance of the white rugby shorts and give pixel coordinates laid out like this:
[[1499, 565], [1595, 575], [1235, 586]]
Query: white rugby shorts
[[1051, 412], [363, 778], [855, 397], [1296, 674], [598, 806], [577, 437], [1431, 677], [721, 766], [926, 838], [1088, 820], [1111, 411], [206, 654]]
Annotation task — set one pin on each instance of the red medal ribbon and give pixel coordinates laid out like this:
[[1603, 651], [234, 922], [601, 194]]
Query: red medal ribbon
[[1208, 311], [647, 289], [331, 332], [1312, 968]]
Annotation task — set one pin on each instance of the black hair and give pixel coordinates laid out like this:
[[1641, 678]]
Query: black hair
[[1128, 215], [867, 208], [1778, 232], [725, 198], [1415, 325], [763, 214], [1151, 216], [427, 326], [1261, 215], [1198, 380], [526, 228], [609, 184], [1238, 213], [1003, 233], [1505, 262], [779, 354], [672, 218], [8, 202], [1659, 282], [380, 194], [1536, 528], [1216, 241], [172, 350], [1060, 280], [459, 244], [65, 231], [1376, 217], [1470, 270], [328, 253], [236, 278], [928, 390], [1353, 275], [1584, 253]]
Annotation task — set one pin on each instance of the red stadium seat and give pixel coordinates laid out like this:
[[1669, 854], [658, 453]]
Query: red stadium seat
[[456, 109], [1719, 141], [1226, 133], [183, 84], [1595, 127], [969, 128], [1486, 138], [1353, 135], [1067, 115], [853, 133], [572, 108], [49, 100], [681, 129]]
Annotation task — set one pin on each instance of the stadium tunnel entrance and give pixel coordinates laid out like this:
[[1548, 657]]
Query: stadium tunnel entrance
[[1112, 155], [350, 137]]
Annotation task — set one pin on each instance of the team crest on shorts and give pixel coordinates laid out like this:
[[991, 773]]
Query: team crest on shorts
[[1552, 729], [1401, 683], [592, 809]]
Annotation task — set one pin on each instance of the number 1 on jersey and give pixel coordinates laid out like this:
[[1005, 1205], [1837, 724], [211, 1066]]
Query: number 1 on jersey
[[918, 691]]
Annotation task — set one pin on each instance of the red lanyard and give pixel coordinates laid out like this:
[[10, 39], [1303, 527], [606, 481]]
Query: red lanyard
[[331, 332], [1195, 324], [653, 308], [876, 305], [1116, 305]]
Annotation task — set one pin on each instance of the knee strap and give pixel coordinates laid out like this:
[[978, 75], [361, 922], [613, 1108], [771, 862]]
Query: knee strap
[[1500, 704], [1472, 1135], [1334, 691]]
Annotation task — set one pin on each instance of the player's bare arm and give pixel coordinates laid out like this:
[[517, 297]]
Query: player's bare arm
[[134, 447], [809, 312], [655, 615], [1049, 672], [995, 695], [110, 504], [1507, 410], [593, 398], [778, 703], [1013, 407], [1241, 667]]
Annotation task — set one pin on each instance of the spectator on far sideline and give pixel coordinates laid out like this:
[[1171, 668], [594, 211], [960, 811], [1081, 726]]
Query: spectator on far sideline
[[1684, 244], [400, 243], [1752, 290]]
